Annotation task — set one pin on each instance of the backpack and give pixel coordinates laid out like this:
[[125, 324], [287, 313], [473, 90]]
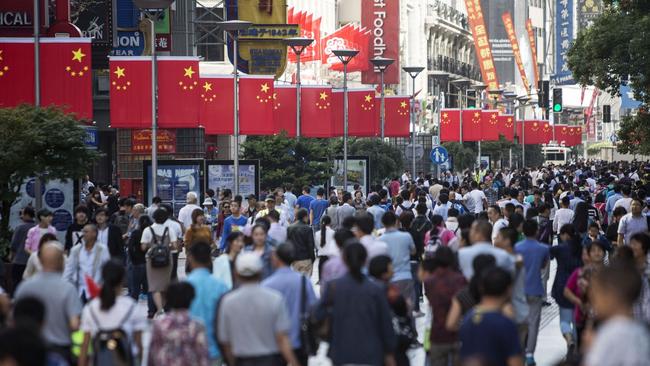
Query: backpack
[[434, 243], [160, 252], [112, 347]]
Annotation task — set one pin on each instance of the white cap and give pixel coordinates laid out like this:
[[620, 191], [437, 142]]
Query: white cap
[[208, 201], [248, 264]]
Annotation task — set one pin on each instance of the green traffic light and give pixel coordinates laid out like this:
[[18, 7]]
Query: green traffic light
[[557, 107]]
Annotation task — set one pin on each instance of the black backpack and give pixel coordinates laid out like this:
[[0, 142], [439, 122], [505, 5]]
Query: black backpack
[[112, 347], [160, 252]]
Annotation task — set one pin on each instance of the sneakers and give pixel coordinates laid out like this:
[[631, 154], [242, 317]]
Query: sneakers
[[530, 361]]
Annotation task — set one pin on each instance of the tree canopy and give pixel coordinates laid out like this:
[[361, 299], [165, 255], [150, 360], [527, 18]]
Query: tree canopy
[[615, 51], [386, 160]]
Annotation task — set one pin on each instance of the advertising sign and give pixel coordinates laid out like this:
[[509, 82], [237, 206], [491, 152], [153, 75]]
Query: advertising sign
[[533, 48], [502, 54], [358, 173], [265, 54], [221, 176], [16, 17], [93, 18], [141, 141], [482, 44], [512, 36], [175, 179], [58, 197], [563, 40], [588, 10], [382, 18], [92, 139]]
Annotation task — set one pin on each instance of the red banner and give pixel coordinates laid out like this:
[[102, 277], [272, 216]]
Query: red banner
[[534, 132], [316, 111], [506, 126], [347, 37], [178, 92], [510, 30], [397, 116], [562, 134], [256, 105], [450, 125], [472, 125], [382, 19], [547, 132], [141, 141], [533, 47], [490, 125], [66, 75], [284, 109], [590, 121], [16, 71], [130, 92], [216, 104], [482, 44]]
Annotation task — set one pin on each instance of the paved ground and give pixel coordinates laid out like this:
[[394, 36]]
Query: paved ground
[[551, 347]]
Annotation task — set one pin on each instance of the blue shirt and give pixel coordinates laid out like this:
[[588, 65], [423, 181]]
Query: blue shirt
[[317, 207], [377, 213], [489, 337], [400, 245], [536, 256], [304, 201], [609, 206], [289, 284], [208, 290], [228, 224]]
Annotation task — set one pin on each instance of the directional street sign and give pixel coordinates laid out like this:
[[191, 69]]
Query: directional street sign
[[439, 155]]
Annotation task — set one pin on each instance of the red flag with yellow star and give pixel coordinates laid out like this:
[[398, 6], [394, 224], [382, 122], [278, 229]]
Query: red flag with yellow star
[[472, 124], [16, 71], [398, 116], [532, 133], [547, 132], [66, 75], [216, 100], [316, 111], [362, 113], [284, 109], [450, 125], [256, 105], [130, 92], [490, 125], [178, 92], [506, 126]]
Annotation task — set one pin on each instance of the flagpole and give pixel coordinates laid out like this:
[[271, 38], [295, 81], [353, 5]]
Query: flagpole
[[38, 198], [154, 118]]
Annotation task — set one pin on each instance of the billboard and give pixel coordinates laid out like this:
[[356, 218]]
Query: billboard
[[382, 18], [482, 46], [563, 40], [175, 179], [588, 10], [502, 54], [221, 176], [93, 18], [358, 173]]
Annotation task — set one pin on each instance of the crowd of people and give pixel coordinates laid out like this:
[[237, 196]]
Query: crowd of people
[[269, 279]]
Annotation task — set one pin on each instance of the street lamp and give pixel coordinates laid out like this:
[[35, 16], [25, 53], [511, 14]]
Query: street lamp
[[523, 101], [441, 78], [480, 87], [153, 9], [298, 45], [232, 27], [413, 72], [460, 84], [381, 64], [345, 56], [509, 98]]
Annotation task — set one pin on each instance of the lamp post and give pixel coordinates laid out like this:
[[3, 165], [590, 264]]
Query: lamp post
[[413, 72], [153, 9], [480, 87], [345, 56], [523, 101], [460, 84], [440, 77], [298, 45], [232, 27], [509, 98], [381, 64]]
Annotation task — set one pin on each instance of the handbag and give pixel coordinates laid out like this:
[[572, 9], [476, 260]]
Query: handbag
[[308, 337]]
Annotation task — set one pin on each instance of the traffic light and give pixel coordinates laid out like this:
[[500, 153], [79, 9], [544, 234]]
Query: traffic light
[[471, 98], [607, 113], [557, 100], [542, 93]]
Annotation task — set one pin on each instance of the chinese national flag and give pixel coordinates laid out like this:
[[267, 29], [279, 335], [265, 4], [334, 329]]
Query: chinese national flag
[[216, 104], [256, 105], [532, 133], [506, 126], [16, 71], [575, 136], [450, 125], [472, 121], [397, 113], [561, 134], [316, 111], [284, 109], [130, 92], [490, 125], [362, 116], [66, 75], [178, 92], [547, 132]]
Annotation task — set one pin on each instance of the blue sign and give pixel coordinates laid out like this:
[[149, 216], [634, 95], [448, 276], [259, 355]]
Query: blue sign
[[91, 141], [563, 40], [439, 155], [128, 44]]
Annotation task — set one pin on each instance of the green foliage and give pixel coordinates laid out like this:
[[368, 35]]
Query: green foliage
[[615, 51], [463, 155], [288, 160], [385, 160], [38, 141]]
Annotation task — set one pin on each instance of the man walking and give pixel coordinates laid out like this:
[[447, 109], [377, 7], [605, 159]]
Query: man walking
[[302, 236], [234, 222], [400, 249], [20, 256], [317, 208], [85, 261], [346, 209], [185, 213]]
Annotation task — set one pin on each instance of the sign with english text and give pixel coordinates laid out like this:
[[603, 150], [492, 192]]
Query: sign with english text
[[382, 18]]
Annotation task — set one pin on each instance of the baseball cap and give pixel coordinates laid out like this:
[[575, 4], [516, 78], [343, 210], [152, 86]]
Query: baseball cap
[[270, 198], [248, 264], [208, 202]]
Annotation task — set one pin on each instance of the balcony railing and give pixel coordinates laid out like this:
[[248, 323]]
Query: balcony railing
[[446, 12], [452, 66]]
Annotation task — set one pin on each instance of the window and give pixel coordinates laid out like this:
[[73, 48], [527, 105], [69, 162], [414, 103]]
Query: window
[[209, 40]]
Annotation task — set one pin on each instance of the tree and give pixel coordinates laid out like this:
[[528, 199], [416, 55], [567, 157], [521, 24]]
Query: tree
[[38, 141], [462, 155], [386, 160], [288, 160], [615, 51]]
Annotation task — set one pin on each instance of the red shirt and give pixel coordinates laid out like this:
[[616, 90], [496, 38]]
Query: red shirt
[[440, 289], [394, 188]]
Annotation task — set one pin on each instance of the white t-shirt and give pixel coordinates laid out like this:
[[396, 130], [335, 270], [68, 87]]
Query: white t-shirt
[[185, 214], [624, 202], [620, 341], [159, 229], [330, 248], [475, 200]]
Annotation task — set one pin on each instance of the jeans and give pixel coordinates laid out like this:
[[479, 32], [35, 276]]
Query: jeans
[[138, 285], [17, 271], [566, 322], [534, 317], [415, 266]]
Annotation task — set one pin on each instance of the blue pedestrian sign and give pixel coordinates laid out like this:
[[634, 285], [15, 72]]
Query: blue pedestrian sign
[[439, 155]]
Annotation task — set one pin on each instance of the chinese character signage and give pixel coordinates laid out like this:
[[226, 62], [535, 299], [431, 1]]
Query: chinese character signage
[[502, 54], [382, 18], [563, 40], [482, 44], [588, 10], [141, 141], [510, 30], [262, 50]]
